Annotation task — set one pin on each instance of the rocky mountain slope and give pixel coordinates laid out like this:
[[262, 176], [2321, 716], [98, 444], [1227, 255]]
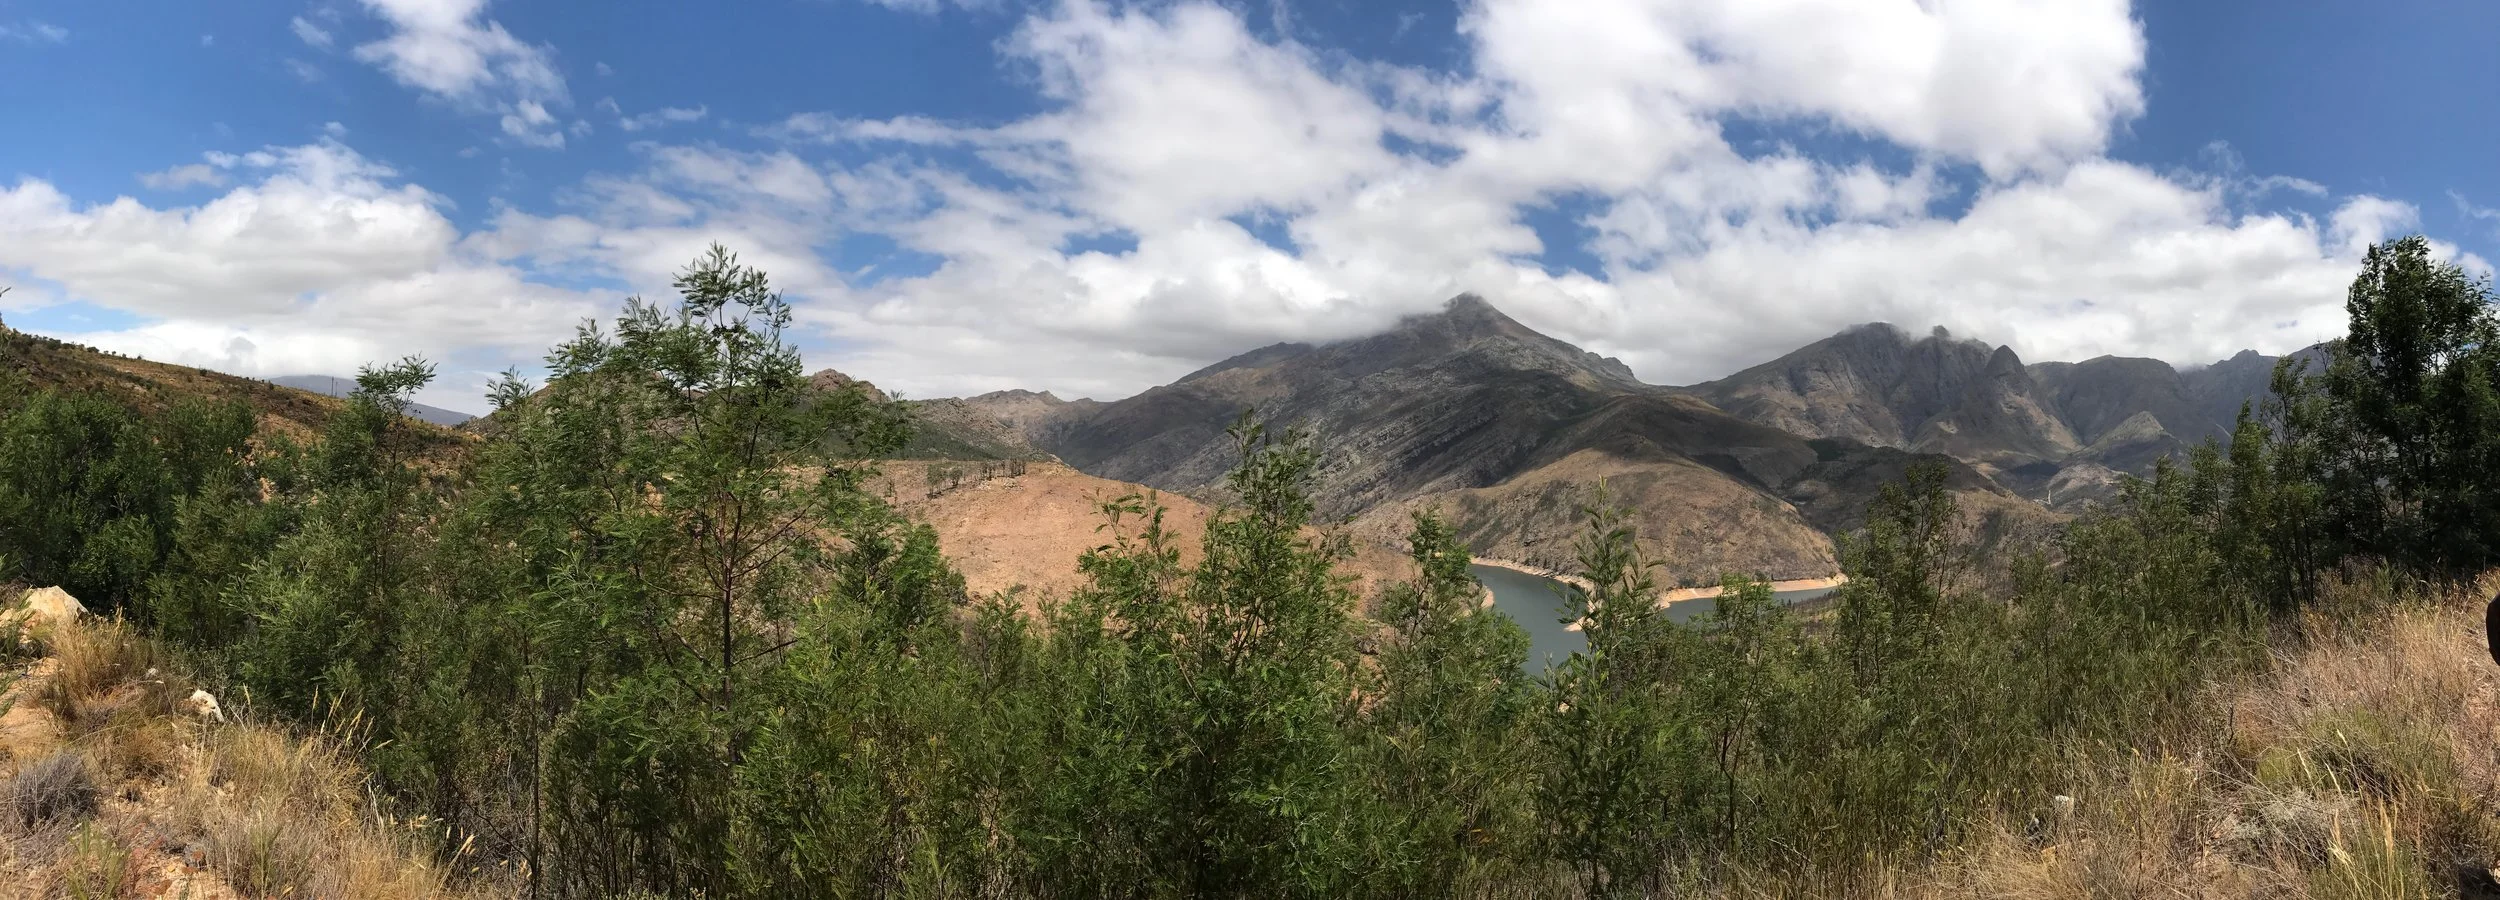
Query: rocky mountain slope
[[1503, 429], [950, 428], [2050, 431], [334, 386]]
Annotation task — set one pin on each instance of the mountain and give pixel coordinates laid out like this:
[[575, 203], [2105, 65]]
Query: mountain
[[334, 386], [949, 428], [2052, 431], [1501, 428]]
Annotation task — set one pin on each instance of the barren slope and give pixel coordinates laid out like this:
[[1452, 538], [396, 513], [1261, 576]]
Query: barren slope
[[1025, 533]]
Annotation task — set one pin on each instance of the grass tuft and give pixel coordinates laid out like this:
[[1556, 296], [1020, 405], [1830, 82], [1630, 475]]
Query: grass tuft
[[60, 787]]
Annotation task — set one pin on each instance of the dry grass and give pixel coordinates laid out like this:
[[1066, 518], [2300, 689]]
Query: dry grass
[[2361, 765], [128, 797]]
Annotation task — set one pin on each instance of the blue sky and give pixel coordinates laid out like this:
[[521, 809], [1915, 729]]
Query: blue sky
[[1094, 197]]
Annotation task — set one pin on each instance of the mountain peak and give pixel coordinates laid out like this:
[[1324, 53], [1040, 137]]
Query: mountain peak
[[1017, 395], [1466, 316], [831, 380]]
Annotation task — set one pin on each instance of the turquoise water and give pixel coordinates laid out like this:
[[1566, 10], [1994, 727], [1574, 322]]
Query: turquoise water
[[1535, 602]]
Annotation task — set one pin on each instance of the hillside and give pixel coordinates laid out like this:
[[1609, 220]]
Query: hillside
[[151, 387], [947, 428], [116, 782], [2049, 431], [1504, 429], [1020, 531], [334, 386]]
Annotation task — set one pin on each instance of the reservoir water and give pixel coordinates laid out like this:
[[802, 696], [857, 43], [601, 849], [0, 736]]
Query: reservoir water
[[1537, 604]]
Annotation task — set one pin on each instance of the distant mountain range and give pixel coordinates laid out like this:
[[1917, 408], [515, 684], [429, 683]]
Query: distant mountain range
[[2050, 431], [1506, 431], [334, 386]]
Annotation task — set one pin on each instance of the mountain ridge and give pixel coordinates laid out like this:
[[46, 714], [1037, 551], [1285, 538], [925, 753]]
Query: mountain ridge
[[1504, 429]]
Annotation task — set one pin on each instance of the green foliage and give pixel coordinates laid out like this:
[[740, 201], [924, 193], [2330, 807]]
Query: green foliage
[[91, 493], [2388, 452], [1446, 744]]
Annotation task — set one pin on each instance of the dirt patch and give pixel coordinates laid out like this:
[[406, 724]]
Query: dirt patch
[[1023, 533]]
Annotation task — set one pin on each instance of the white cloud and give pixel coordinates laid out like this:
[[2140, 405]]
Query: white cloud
[[208, 40], [659, 118], [1256, 190], [180, 177], [303, 71], [2475, 212], [450, 51], [310, 33], [2010, 84], [322, 260], [1168, 125], [334, 130], [34, 32]]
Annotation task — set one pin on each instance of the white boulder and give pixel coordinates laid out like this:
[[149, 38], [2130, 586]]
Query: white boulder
[[203, 706], [44, 609]]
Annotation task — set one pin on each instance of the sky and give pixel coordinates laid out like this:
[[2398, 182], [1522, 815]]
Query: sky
[[1095, 197]]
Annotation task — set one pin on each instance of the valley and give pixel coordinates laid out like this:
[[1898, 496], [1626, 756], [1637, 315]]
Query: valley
[[1508, 433]]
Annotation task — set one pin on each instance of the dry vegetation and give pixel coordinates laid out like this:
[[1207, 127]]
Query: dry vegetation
[[2363, 764], [151, 387], [109, 788]]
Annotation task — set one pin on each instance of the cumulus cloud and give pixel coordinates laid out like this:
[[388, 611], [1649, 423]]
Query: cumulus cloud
[[1177, 126], [1193, 188], [322, 260], [450, 51]]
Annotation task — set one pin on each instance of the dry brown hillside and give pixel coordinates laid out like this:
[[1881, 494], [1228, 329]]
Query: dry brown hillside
[[2361, 764], [1024, 533], [113, 785], [151, 387], [1693, 518]]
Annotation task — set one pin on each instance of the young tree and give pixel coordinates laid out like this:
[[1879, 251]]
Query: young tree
[[1607, 726], [1446, 740], [2414, 393]]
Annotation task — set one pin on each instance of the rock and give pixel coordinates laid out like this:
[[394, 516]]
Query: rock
[[43, 610], [203, 705]]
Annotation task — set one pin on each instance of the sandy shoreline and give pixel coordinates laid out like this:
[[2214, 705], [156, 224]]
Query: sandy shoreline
[[1675, 595]]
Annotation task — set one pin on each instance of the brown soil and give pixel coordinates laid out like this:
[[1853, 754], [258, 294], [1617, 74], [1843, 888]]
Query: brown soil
[[1695, 521], [1023, 534]]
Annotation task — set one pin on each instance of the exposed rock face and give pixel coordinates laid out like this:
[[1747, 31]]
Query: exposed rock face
[[1877, 385], [1039, 417], [2024, 426]]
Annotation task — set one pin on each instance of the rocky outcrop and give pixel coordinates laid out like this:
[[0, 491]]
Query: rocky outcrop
[[41, 611]]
